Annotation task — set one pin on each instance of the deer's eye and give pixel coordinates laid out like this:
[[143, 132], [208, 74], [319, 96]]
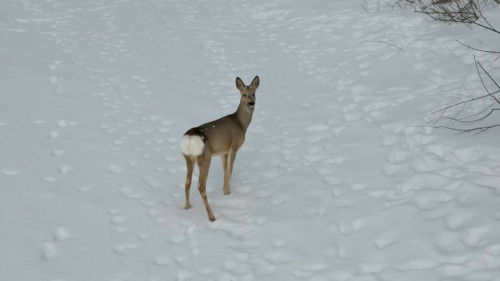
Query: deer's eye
[[245, 95], [253, 95]]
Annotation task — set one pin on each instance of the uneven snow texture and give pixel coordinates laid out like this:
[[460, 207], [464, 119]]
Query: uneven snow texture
[[337, 179], [192, 145]]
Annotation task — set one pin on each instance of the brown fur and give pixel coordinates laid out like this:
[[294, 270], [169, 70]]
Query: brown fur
[[222, 137]]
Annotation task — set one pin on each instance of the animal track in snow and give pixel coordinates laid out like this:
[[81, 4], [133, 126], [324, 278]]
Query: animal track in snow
[[476, 236], [124, 248], [386, 239], [114, 169], [60, 233], [9, 172], [353, 226], [309, 270], [233, 229], [49, 251]]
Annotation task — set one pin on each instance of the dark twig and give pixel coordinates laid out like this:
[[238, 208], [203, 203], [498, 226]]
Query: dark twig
[[478, 130], [389, 44], [479, 113], [468, 122], [475, 49], [364, 7], [482, 82], [492, 80], [486, 27], [473, 99], [456, 115]]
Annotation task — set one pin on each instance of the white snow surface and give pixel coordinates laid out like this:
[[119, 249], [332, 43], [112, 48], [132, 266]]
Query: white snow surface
[[337, 179]]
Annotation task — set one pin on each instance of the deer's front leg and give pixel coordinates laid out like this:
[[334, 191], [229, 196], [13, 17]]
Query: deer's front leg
[[231, 157], [225, 167]]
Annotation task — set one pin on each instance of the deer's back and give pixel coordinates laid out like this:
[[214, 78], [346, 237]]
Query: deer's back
[[223, 134]]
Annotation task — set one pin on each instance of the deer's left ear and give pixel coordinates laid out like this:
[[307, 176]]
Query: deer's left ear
[[255, 82], [239, 84]]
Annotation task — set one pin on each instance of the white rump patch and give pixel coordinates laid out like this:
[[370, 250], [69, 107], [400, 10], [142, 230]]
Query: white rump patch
[[192, 145]]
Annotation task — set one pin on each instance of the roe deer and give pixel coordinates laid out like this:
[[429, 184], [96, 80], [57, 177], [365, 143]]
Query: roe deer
[[223, 137]]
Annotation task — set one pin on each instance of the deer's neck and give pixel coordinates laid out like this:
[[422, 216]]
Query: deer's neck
[[244, 116]]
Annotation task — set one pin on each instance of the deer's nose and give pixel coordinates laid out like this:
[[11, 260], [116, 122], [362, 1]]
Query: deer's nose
[[251, 103]]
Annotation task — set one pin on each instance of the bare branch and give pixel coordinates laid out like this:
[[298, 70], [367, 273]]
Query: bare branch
[[453, 105], [493, 80], [475, 49], [478, 130], [364, 5], [481, 78], [389, 44], [468, 13]]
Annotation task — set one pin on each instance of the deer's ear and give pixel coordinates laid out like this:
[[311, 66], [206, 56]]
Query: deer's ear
[[255, 82], [239, 84]]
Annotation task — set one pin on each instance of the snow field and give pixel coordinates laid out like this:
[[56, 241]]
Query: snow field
[[337, 180]]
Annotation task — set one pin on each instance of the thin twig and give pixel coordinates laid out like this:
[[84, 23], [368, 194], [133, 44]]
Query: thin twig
[[472, 121], [389, 44], [453, 105], [456, 115], [482, 82], [486, 27], [475, 49], [480, 129], [493, 80], [479, 113], [363, 5]]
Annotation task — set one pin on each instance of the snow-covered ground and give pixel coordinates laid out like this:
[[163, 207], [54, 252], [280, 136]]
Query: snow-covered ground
[[336, 180]]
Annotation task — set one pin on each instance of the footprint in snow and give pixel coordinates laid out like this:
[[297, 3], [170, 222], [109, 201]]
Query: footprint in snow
[[457, 220], [162, 260], [278, 200], [53, 135], [236, 230], [50, 179], [350, 227], [114, 169], [397, 156], [277, 257], [309, 270], [386, 239], [448, 241], [9, 172], [476, 236], [230, 204], [60, 233], [129, 192], [49, 251], [417, 265], [122, 249], [390, 170], [317, 128], [64, 169]]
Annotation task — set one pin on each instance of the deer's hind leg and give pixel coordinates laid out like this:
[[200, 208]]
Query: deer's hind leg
[[190, 167], [204, 166]]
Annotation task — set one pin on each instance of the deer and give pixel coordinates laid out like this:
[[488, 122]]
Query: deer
[[222, 137]]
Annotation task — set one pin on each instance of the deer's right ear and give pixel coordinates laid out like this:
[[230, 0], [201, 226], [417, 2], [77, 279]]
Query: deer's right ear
[[239, 84], [255, 82]]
